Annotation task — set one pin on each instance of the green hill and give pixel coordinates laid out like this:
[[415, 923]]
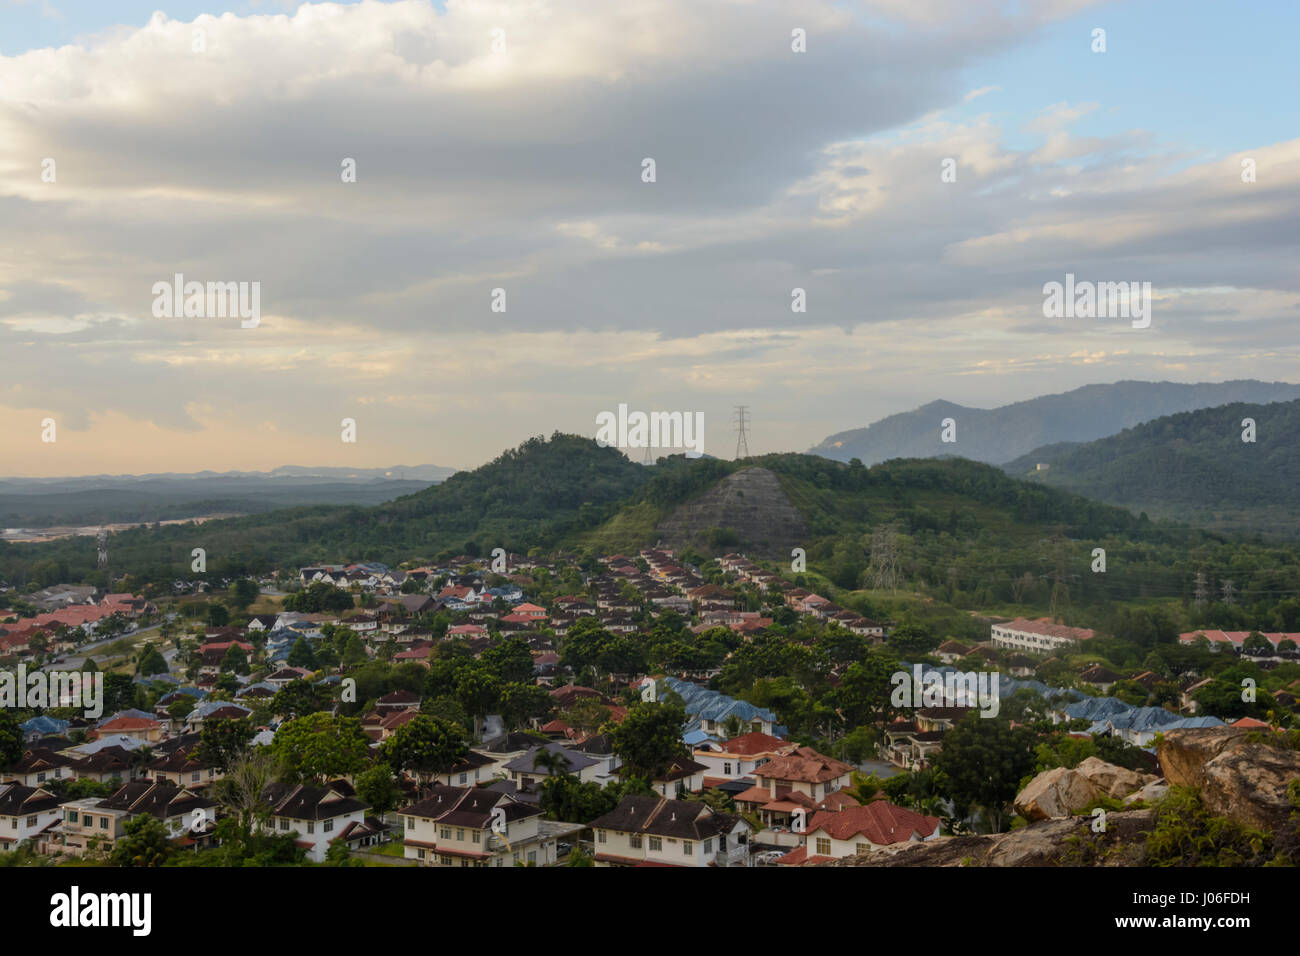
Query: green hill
[[1191, 467], [960, 533]]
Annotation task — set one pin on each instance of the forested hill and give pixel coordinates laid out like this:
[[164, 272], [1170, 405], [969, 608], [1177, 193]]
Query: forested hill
[[964, 531], [1193, 467], [535, 495]]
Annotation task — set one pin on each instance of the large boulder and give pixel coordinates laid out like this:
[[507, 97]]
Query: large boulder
[[1151, 794], [1183, 754], [1111, 780], [1055, 793], [1236, 778]]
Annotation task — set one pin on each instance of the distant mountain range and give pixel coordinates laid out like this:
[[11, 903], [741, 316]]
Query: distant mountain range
[[425, 473], [1192, 467], [999, 435], [111, 499]]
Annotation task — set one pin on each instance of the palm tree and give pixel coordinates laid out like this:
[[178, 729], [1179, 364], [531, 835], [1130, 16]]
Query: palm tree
[[553, 761]]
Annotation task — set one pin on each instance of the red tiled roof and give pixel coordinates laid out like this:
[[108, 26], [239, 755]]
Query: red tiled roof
[[880, 822]]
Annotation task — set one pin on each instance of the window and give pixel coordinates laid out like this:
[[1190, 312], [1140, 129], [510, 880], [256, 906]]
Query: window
[[464, 778], [460, 833], [635, 841], [687, 848], [31, 821], [532, 856], [72, 816], [329, 826], [311, 828], [444, 833], [600, 836], [194, 777], [13, 823], [708, 846], [420, 854], [410, 823], [284, 824], [726, 768], [862, 848], [823, 846], [446, 860], [40, 778], [656, 843], [103, 823]]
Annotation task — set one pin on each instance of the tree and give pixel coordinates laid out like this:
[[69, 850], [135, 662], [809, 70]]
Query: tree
[[180, 708], [425, 746], [911, 640], [244, 593], [378, 787], [866, 690], [983, 761], [650, 738], [354, 652], [522, 703], [235, 660], [301, 655], [151, 662], [222, 742], [587, 714], [143, 842], [299, 698], [477, 690], [11, 739], [510, 661], [218, 614], [239, 793], [319, 747]]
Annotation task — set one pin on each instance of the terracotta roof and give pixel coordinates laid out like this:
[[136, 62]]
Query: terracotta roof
[[880, 822], [805, 765]]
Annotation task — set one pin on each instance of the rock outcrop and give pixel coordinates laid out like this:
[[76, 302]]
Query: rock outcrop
[[1055, 793], [1111, 780], [1244, 781]]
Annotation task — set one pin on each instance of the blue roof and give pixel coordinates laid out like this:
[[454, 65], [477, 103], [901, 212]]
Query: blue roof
[[712, 705], [44, 725]]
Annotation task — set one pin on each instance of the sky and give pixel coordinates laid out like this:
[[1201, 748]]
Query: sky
[[501, 145]]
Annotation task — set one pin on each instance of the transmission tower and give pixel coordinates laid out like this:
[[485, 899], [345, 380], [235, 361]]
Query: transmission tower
[[1060, 598], [649, 458], [103, 549], [884, 560], [1202, 590], [1228, 591], [741, 421]]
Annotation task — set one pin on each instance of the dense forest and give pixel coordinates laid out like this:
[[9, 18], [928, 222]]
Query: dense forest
[[1193, 467]]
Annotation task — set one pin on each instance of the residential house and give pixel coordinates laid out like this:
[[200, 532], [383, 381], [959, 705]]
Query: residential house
[[657, 831]]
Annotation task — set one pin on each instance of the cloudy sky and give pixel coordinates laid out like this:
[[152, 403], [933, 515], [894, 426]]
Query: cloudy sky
[[501, 145]]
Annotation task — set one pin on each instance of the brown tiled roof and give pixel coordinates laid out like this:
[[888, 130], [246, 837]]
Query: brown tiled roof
[[805, 765]]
